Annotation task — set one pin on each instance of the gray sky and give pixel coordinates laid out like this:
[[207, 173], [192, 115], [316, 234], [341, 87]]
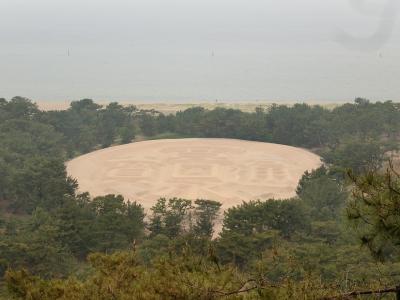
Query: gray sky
[[187, 50]]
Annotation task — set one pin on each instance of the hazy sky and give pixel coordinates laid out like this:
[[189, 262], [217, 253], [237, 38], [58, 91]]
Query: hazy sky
[[186, 50]]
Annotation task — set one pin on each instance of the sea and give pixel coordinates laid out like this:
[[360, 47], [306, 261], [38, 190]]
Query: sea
[[200, 50]]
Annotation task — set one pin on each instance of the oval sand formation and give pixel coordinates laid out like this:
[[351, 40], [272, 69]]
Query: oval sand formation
[[225, 170]]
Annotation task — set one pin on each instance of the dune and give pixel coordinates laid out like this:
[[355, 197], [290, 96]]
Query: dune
[[225, 170]]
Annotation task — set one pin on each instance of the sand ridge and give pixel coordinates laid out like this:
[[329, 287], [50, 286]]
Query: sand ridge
[[226, 170]]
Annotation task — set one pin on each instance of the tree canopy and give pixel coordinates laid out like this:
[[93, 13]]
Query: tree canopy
[[59, 243]]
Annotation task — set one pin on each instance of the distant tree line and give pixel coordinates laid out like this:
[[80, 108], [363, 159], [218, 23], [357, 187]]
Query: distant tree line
[[349, 136]]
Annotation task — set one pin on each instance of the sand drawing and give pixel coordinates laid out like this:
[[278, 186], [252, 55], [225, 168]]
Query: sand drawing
[[226, 170]]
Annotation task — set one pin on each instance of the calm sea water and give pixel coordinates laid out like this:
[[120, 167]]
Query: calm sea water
[[196, 50]]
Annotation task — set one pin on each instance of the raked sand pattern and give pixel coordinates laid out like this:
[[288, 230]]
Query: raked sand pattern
[[226, 170]]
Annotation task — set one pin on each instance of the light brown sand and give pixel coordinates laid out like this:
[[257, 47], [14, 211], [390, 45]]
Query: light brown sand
[[229, 171], [172, 108]]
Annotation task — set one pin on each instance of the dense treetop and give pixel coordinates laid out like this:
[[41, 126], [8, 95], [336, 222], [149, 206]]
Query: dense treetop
[[308, 246]]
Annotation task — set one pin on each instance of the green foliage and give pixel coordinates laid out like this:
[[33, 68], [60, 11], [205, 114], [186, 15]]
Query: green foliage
[[168, 217], [187, 276], [357, 156], [287, 249], [339, 134], [176, 217], [34, 243], [166, 135], [75, 220], [240, 249], [18, 108], [117, 223], [25, 138], [122, 276], [50, 243], [374, 211], [286, 216], [252, 227], [87, 125], [41, 183], [111, 118], [33, 172], [127, 134], [206, 211], [148, 125], [300, 125], [323, 193], [331, 268]]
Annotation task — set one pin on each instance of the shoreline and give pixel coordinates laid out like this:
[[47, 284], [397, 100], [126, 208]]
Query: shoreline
[[173, 107]]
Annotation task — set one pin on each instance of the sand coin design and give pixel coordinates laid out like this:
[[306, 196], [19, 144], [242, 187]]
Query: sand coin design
[[225, 170]]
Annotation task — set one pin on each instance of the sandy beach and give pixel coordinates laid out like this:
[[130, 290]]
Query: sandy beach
[[172, 108]]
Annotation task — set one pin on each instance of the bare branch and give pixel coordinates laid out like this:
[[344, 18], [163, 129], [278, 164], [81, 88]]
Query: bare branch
[[361, 293]]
